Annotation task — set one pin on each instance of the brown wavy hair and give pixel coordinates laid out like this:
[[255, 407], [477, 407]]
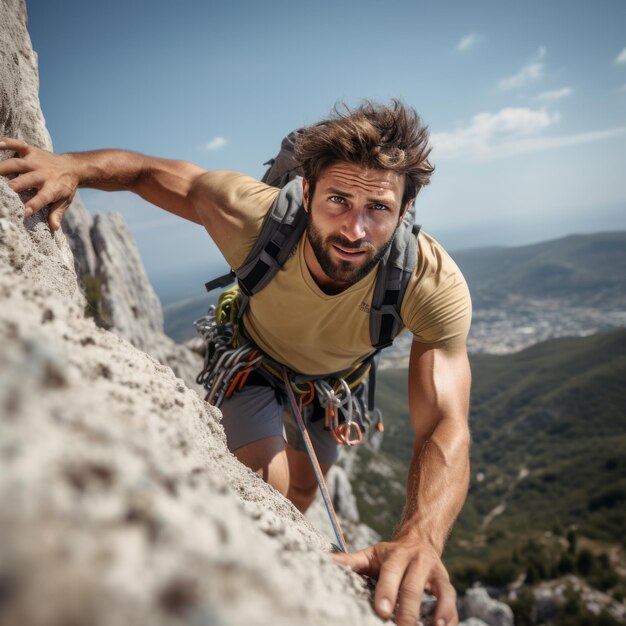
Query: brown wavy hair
[[390, 137]]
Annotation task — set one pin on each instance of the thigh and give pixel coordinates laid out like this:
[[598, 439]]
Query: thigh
[[252, 420], [301, 473], [325, 446], [267, 457]]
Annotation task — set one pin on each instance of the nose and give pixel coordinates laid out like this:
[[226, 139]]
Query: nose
[[353, 227]]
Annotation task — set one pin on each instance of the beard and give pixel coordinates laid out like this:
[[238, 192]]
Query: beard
[[341, 270]]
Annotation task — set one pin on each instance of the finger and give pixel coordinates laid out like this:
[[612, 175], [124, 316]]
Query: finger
[[19, 146], [43, 198], [57, 210], [446, 613], [13, 166], [410, 595], [391, 575], [31, 180], [363, 562]]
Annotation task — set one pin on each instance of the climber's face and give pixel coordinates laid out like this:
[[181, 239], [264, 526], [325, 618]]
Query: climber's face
[[353, 214]]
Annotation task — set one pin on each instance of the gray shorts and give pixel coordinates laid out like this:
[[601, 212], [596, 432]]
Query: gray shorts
[[257, 412]]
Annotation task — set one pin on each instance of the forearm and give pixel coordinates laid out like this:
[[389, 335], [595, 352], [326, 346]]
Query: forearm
[[437, 484], [439, 390], [163, 182], [109, 170]]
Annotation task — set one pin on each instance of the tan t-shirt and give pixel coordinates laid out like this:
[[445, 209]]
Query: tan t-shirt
[[294, 321]]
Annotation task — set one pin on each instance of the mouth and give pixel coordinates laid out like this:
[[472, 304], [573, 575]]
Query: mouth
[[349, 254]]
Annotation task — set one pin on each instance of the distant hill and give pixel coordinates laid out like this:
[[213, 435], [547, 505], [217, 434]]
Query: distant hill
[[584, 269], [549, 450]]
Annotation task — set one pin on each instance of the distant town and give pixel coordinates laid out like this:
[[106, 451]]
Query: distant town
[[502, 331]]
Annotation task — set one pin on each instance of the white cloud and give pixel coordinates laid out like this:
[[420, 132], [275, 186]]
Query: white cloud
[[529, 73], [487, 130], [536, 144], [621, 57], [216, 143], [508, 133], [556, 94], [469, 41]]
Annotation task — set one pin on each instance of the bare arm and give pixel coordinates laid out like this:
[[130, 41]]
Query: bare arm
[[439, 383], [55, 178], [439, 386]]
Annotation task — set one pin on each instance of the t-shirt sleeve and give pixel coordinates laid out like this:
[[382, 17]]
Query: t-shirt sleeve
[[232, 207], [437, 307]]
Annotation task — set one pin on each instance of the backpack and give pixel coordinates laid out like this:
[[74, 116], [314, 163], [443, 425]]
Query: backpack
[[284, 225]]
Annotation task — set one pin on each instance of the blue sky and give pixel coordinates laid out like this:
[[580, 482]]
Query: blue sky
[[526, 102]]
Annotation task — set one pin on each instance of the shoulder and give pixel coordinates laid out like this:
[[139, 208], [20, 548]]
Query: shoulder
[[437, 306], [232, 207], [228, 190]]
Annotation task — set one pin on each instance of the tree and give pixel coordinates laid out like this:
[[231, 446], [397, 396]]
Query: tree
[[571, 540], [584, 562]]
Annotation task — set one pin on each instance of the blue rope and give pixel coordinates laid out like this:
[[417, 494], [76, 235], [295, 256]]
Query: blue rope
[[316, 468]]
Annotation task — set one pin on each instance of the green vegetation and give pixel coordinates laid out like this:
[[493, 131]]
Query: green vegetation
[[548, 462], [566, 268], [571, 613], [92, 288]]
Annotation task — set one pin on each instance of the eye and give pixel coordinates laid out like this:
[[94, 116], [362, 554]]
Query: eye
[[377, 206], [336, 199]]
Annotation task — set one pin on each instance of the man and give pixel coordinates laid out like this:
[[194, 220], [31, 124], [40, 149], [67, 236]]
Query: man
[[362, 170]]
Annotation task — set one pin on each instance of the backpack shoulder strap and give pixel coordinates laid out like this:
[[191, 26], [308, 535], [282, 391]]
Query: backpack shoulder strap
[[279, 234], [281, 228], [394, 272]]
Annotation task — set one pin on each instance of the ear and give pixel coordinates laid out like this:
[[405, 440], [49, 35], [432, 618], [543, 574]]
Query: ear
[[305, 194], [406, 207]]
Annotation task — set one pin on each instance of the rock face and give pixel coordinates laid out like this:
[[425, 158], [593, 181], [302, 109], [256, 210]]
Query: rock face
[[77, 224], [119, 502], [357, 535], [119, 295], [129, 303], [478, 604]]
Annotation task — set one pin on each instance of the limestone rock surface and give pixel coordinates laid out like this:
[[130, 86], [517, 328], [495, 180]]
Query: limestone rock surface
[[129, 303], [77, 224], [356, 534], [477, 604], [119, 295]]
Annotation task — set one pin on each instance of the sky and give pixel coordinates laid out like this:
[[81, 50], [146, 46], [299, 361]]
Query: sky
[[525, 102]]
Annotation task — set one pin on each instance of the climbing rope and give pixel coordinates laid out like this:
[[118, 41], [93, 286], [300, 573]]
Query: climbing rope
[[314, 462]]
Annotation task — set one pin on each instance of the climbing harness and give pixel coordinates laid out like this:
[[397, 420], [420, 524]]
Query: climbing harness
[[332, 401], [231, 356]]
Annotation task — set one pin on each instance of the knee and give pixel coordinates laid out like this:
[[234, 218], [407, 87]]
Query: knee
[[302, 495]]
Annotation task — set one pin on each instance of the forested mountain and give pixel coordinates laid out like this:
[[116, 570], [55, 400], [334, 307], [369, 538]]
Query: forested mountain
[[582, 269]]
